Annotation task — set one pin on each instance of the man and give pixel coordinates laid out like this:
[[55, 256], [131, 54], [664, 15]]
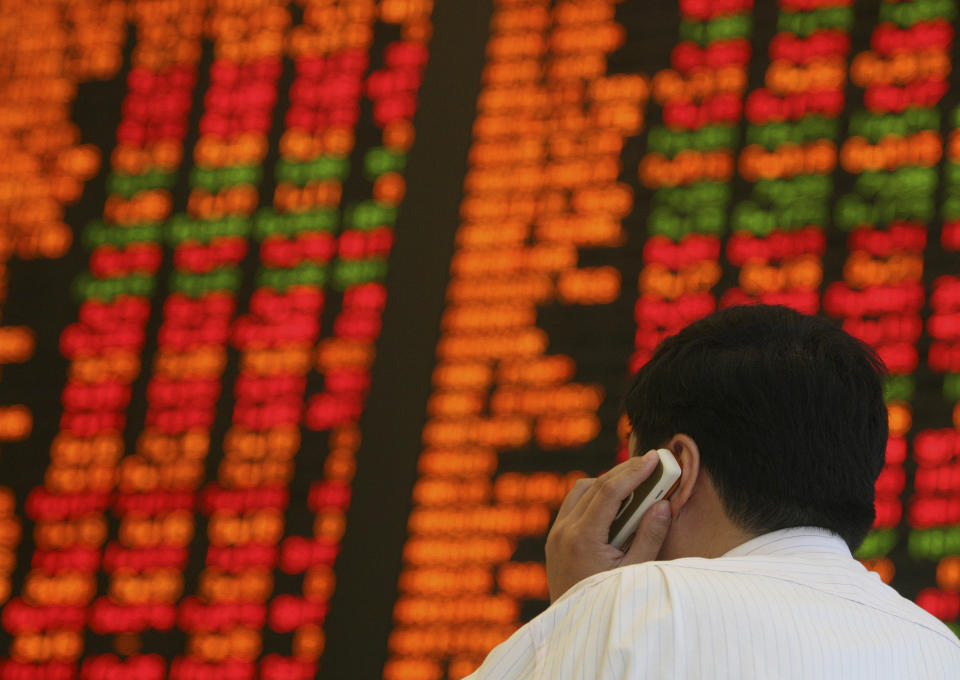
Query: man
[[779, 424]]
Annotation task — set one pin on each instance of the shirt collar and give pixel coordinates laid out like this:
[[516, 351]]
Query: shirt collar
[[793, 540]]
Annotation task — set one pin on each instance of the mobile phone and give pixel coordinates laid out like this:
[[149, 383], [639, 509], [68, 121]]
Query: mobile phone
[[659, 485]]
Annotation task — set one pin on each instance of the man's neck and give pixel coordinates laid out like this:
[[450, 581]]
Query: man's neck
[[711, 542], [702, 528]]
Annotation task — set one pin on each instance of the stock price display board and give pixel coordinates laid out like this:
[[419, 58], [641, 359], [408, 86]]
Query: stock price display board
[[311, 312]]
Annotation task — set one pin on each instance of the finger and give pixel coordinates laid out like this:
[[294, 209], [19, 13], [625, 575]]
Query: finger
[[611, 489], [586, 499], [650, 535], [577, 491]]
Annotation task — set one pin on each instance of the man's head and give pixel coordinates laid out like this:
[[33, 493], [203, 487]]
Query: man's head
[[784, 412]]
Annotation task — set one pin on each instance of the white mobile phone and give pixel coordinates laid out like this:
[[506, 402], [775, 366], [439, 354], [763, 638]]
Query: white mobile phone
[[659, 485]]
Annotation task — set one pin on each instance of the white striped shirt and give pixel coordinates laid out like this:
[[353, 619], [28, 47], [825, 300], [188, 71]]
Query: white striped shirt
[[793, 603]]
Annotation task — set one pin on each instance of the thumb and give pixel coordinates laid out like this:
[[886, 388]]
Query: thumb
[[651, 534]]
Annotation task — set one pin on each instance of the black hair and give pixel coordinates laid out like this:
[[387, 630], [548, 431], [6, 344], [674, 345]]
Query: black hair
[[786, 409]]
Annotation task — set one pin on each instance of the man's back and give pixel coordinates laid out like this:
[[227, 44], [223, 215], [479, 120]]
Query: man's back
[[789, 604]]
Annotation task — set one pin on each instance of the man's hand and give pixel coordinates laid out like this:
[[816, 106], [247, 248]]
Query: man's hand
[[577, 544]]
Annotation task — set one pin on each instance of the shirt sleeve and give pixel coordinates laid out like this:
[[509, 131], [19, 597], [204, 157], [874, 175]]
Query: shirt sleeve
[[597, 630]]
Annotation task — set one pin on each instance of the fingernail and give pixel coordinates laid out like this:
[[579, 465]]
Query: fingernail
[[662, 510], [650, 455]]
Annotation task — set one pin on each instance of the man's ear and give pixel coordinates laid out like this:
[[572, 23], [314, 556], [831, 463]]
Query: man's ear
[[688, 455]]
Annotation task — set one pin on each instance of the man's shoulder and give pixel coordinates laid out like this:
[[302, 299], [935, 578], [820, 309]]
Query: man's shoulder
[[658, 572], [697, 583]]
